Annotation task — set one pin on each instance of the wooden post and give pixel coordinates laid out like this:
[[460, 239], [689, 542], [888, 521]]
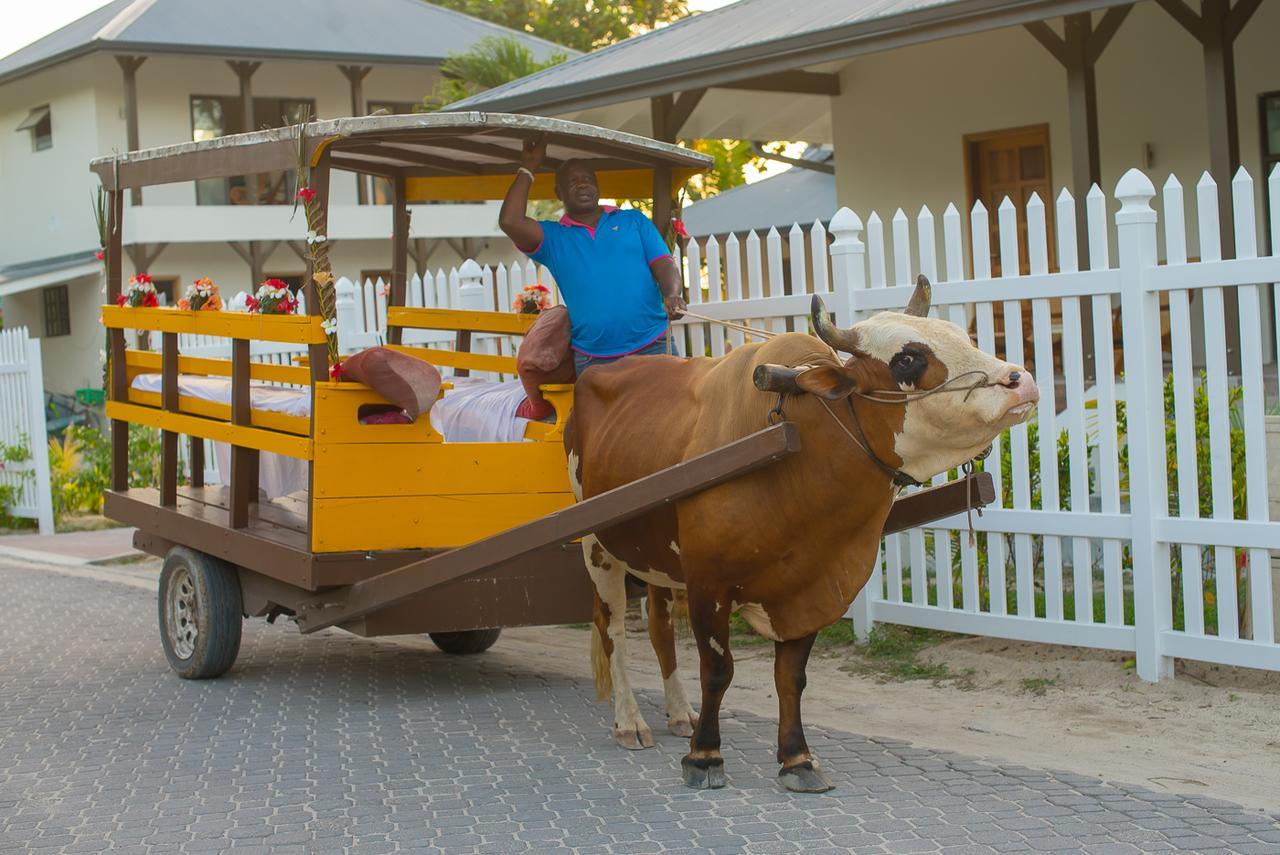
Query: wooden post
[[244, 461], [129, 65], [244, 71], [119, 390], [399, 251], [169, 403], [1078, 53], [355, 75]]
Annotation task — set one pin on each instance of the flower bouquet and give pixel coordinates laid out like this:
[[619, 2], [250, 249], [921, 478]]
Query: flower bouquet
[[272, 298], [140, 293], [532, 300], [201, 296]]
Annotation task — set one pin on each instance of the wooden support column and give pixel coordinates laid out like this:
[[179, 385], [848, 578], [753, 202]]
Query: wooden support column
[[244, 72], [1078, 51], [169, 403], [244, 461], [129, 65], [355, 75], [255, 254], [399, 251], [143, 255], [1216, 29], [319, 182], [421, 250], [668, 114], [119, 390]]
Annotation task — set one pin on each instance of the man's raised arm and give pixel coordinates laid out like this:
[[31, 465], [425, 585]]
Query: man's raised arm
[[524, 231]]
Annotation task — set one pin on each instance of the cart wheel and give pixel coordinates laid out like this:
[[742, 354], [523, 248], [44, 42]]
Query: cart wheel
[[468, 641], [199, 607]]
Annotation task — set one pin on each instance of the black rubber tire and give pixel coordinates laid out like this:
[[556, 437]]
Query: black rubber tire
[[217, 609], [465, 642]]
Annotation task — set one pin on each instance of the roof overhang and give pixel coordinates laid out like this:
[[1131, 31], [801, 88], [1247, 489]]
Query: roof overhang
[[622, 100], [54, 272]]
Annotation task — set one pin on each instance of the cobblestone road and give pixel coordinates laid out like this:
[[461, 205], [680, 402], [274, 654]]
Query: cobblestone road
[[333, 743]]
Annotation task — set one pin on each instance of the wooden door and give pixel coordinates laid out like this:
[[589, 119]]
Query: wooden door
[[1012, 164]]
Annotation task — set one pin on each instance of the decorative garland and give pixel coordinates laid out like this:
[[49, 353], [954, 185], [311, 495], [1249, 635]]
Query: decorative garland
[[318, 249]]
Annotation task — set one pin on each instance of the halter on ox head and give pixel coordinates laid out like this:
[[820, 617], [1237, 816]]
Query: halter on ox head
[[957, 398]]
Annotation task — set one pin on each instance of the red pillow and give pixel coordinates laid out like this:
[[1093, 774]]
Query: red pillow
[[409, 383], [544, 356]]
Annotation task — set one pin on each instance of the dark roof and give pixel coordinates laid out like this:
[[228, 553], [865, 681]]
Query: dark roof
[[796, 196], [373, 31], [752, 38]]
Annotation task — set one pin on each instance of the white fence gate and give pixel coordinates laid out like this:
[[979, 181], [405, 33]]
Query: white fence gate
[[22, 426], [1088, 543]]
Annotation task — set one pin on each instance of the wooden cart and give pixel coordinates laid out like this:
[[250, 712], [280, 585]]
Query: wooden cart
[[399, 531]]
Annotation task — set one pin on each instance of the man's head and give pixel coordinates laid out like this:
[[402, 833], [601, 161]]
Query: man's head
[[576, 187]]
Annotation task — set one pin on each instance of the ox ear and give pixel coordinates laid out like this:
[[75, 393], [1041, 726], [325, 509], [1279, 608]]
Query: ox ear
[[827, 381]]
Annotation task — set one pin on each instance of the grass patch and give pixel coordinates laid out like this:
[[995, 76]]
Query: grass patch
[[891, 653], [576, 626], [1038, 685]]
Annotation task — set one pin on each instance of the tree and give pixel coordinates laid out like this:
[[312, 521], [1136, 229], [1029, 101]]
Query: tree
[[490, 62], [583, 25], [731, 158]]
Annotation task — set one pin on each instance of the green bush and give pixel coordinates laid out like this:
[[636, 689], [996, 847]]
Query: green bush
[[80, 467], [10, 492]]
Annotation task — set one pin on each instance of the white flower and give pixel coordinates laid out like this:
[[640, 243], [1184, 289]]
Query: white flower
[[312, 237], [330, 326]]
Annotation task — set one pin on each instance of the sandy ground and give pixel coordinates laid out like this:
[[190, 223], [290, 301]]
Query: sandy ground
[[1213, 731]]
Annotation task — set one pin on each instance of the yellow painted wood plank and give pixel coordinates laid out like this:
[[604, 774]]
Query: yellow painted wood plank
[[614, 184], [336, 417], [266, 372], [290, 329], [395, 469], [298, 425], [249, 437], [507, 323], [427, 522], [456, 359]]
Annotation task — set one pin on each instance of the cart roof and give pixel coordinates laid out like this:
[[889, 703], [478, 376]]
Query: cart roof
[[442, 156]]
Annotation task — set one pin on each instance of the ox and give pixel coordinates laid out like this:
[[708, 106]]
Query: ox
[[788, 546]]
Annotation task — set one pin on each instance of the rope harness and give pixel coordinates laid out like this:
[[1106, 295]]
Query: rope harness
[[900, 479]]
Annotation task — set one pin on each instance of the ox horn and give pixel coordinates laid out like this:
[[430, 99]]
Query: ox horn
[[918, 305], [846, 340]]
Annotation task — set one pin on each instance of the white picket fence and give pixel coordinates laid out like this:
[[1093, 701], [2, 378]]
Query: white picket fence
[[1109, 558], [22, 426]]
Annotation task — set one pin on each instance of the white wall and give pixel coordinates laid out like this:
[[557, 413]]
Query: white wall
[[900, 121]]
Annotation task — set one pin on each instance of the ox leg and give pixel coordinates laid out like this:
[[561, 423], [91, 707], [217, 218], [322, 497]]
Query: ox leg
[[703, 767], [609, 577], [800, 772], [662, 634]]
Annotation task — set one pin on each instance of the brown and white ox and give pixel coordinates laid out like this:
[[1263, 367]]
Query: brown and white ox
[[790, 545]]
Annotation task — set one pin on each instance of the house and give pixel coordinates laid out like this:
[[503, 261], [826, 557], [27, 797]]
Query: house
[[141, 73], [954, 100]]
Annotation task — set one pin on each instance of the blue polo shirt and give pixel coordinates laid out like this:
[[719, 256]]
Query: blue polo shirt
[[614, 303]]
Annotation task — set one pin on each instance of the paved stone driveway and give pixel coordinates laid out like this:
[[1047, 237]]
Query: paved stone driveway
[[331, 742]]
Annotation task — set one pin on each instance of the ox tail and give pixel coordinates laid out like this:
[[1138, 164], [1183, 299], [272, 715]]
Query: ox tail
[[599, 656]]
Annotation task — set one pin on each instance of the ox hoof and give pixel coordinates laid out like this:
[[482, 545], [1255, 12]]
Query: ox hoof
[[633, 738], [683, 725], [703, 773], [805, 777]]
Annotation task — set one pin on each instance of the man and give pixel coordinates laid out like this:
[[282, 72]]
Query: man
[[618, 279]]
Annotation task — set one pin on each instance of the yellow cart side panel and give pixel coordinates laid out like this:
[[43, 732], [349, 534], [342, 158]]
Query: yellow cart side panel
[[346, 470], [299, 425], [249, 437], [148, 362], [425, 522], [337, 418], [290, 329]]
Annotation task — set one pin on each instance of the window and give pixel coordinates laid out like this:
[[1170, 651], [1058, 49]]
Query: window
[[167, 292], [57, 311], [214, 116], [1269, 123], [39, 123]]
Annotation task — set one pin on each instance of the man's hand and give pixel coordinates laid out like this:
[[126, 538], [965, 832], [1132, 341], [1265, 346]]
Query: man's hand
[[534, 152], [675, 306]]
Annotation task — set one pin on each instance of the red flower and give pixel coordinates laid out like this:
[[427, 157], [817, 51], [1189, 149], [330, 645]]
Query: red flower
[[100, 255], [306, 194], [141, 278], [149, 300], [121, 300], [678, 226], [543, 288], [251, 303], [336, 372]]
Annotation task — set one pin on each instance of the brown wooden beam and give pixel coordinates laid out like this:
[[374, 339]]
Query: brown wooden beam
[[682, 109], [796, 82], [119, 378], [244, 460], [399, 252], [607, 509], [244, 72], [355, 75], [169, 402], [129, 65], [144, 255], [409, 156]]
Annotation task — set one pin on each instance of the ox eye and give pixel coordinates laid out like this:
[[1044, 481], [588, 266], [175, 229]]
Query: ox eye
[[907, 367]]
